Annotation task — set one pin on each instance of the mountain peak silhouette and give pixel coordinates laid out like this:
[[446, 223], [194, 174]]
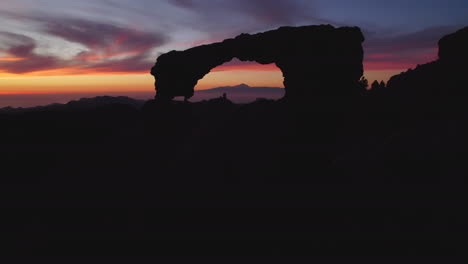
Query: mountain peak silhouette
[[242, 85]]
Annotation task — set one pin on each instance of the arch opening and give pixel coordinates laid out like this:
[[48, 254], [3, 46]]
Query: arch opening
[[242, 82]]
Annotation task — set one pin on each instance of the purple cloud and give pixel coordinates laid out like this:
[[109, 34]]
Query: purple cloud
[[101, 36], [403, 51], [249, 15], [137, 63], [21, 49], [110, 48]]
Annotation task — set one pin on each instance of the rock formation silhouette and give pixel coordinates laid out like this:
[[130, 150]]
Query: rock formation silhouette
[[445, 77], [315, 61]]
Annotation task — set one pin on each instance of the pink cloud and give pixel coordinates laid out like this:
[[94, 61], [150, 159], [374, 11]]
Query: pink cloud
[[110, 48], [22, 58], [403, 51]]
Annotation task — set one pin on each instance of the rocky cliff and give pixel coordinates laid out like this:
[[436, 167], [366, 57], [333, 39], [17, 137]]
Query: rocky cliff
[[445, 77]]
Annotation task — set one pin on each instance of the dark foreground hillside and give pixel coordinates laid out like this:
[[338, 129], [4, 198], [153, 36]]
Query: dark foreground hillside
[[329, 170], [330, 177]]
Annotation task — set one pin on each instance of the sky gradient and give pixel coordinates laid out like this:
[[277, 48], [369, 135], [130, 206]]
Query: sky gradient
[[105, 46]]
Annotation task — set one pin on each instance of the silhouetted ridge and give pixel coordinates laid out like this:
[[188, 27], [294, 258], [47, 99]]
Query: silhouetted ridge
[[315, 60], [453, 47], [102, 101], [82, 104], [445, 77]]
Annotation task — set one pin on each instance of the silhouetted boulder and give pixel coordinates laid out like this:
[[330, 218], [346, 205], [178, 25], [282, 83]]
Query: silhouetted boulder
[[315, 61]]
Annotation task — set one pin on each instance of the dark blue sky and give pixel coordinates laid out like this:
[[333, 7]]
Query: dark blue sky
[[400, 15]]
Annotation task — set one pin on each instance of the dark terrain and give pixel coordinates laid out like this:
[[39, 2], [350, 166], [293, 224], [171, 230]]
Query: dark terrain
[[381, 174]]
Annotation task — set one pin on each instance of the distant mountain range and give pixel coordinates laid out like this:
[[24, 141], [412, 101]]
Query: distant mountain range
[[82, 104], [244, 88], [239, 94]]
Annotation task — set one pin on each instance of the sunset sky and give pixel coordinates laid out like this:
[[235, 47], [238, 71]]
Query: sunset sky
[[109, 46]]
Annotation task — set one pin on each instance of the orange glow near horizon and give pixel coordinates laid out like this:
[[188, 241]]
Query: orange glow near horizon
[[11, 59], [63, 81], [248, 67], [71, 80], [381, 75], [268, 75], [77, 84], [69, 71]]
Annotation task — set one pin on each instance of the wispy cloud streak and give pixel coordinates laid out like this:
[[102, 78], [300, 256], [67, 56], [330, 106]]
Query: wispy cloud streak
[[107, 47]]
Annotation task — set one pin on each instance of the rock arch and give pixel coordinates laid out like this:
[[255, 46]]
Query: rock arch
[[315, 61]]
